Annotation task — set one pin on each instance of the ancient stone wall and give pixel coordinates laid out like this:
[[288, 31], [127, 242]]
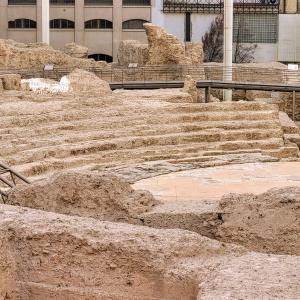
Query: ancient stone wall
[[131, 51], [76, 51], [18, 55]]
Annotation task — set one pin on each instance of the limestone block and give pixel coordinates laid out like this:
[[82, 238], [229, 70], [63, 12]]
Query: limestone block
[[195, 52], [131, 51], [76, 50], [11, 81], [164, 48]]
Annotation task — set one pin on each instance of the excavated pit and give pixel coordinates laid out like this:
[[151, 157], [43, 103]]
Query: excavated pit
[[268, 222], [46, 255]]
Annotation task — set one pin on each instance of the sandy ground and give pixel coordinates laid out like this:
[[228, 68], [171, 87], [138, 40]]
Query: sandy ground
[[213, 183]]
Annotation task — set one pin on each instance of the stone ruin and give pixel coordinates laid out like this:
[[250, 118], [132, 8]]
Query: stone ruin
[[30, 56], [75, 50], [64, 247], [162, 49]]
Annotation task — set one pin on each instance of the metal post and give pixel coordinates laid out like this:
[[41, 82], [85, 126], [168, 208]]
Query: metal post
[[45, 22], [228, 40]]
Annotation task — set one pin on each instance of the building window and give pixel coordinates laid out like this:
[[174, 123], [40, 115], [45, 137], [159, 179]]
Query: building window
[[62, 2], [136, 2], [134, 24], [103, 57], [98, 2], [98, 24], [255, 28], [62, 24], [21, 2], [22, 23]]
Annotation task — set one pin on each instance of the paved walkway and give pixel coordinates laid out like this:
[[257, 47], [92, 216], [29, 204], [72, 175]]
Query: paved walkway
[[212, 183]]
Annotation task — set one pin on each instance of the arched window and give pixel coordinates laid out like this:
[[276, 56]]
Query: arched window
[[98, 24], [62, 24], [134, 24], [104, 57], [22, 23]]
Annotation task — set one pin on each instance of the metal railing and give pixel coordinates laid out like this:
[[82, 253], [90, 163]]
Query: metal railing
[[172, 72], [216, 6], [8, 180]]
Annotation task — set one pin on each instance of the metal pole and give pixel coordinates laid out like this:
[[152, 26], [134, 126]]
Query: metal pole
[[45, 22], [228, 40]]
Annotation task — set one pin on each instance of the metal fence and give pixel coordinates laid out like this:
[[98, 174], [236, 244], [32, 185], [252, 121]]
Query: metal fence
[[172, 72], [217, 6]]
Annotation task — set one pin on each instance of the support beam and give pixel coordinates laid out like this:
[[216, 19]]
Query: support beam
[[228, 40], [45, 22]]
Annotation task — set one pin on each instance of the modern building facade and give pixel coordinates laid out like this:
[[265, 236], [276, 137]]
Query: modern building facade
[[101, 24], [98, 24], [273, 25]]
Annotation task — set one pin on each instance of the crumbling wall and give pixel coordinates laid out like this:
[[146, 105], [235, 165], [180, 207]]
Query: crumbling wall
[[101, 196], [131, 51], [81, 81], [194, 51], [75, 50], [164, 48], [269, 222], [18, 55], [10, 82]]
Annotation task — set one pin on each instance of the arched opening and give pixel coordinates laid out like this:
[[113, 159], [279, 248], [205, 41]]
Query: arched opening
[[62, 24], [22, 23], [134, 24], [98, 24], [103, 57]]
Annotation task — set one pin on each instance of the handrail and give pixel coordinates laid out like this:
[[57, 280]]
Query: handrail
[[9, 180]]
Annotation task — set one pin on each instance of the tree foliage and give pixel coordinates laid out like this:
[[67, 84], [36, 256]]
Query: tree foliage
[[213, 41]]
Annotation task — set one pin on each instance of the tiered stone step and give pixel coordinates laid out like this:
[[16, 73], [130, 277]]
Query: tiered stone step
[[177, 133]]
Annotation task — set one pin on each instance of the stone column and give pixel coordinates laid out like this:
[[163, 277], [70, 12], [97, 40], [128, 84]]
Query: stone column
[[228, 40], [117, 27], [79, 22], [3, 19], [42, 13], [291, 6]]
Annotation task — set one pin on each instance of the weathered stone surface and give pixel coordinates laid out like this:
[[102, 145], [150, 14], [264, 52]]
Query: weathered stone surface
[[281, 103], [17, 55], [195, 52], [101, 196], [157, 96], [75, 50], [287, 124], [11, 81], [190, 87], [164, 48], [131, 51], [51, 256], [81, 81], [269, 222]]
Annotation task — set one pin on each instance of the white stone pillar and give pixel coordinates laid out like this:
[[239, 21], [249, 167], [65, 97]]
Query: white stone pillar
[[45, 22], [228, 40], [3, 19], [79, 22], [117, 27]]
